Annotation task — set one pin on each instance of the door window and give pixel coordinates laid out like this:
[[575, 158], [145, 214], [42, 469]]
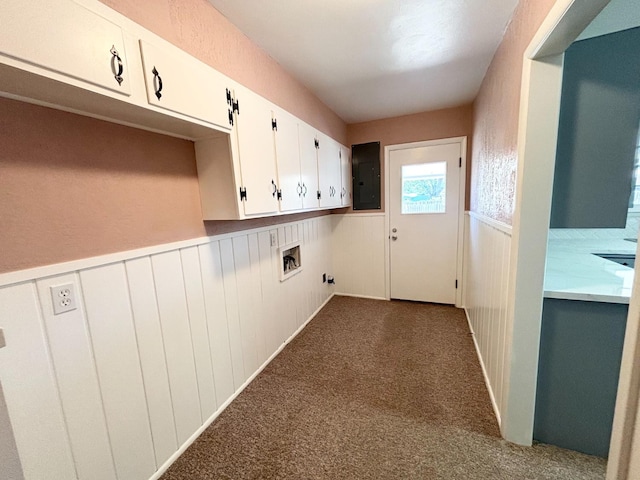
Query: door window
[[424, 188]]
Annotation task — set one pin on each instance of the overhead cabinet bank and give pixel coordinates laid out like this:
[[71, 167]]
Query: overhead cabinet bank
[[254, 159]]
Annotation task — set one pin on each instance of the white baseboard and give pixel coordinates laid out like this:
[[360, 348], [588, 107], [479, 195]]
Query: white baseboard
[[494, 404], [370, 297], [222, 407]]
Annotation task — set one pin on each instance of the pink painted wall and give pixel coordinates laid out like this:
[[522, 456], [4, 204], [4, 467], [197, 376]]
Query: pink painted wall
[[72, 187], [446, 123], [495, 120]]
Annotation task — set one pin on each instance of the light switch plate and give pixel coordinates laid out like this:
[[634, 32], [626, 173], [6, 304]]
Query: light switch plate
[[63, 298], [3, 343]]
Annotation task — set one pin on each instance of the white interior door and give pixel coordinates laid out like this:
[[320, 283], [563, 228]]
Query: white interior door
[[423, 221]]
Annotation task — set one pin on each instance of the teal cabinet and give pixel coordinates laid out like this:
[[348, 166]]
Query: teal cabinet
[[580, 353]]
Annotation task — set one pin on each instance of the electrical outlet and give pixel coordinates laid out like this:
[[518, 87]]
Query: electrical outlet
[[63, 297], [324, 278], [274, 240]]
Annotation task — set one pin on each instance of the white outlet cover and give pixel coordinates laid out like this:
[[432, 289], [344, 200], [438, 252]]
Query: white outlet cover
[[274, 240], [63, 298]]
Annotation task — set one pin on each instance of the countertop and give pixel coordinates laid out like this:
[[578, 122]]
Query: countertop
[[572, 272]]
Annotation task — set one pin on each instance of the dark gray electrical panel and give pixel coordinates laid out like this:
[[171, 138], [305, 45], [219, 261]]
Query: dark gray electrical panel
[[365, 164]]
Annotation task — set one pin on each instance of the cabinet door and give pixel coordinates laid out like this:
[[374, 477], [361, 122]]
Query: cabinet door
[[288, 160], [329, 172], [66, 38], [346, 176], [180, 83], [308, 166], [256, 150]]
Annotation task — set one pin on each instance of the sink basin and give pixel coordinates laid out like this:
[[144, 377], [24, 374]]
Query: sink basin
[[626, 259]]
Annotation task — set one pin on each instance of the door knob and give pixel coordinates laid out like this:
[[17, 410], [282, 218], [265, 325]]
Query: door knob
[[394, 237]]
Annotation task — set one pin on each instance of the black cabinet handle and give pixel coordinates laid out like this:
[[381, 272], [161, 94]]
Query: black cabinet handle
[[157, 79], [275, 188], [299, 189], [115, 58], [304, 193]]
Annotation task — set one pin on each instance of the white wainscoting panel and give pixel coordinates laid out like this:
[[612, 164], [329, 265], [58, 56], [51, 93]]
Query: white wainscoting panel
[[115, 350], [160, 343], [31, 389], [218, 329], [199, 332], [72, 359], [358, 255], [178, 347], [233, 316], [144, 307], [488, 246]]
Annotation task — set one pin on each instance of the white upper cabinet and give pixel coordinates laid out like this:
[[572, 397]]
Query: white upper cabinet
[[256, 152], [285, 128], [347, 180], [308, 165], [65, 38], [329, 172], [178, 82]]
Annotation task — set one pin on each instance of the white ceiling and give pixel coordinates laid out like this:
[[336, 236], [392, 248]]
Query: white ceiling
[[370, 59]]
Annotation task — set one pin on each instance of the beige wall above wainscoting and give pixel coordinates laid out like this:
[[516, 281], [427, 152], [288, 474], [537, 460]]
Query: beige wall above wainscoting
[[495, 117], [73, 187]]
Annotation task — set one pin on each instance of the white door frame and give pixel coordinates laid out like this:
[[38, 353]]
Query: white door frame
[[537, 140], [461, 207]]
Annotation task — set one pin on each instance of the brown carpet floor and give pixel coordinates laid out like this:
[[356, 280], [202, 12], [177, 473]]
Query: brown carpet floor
[[372, 390]]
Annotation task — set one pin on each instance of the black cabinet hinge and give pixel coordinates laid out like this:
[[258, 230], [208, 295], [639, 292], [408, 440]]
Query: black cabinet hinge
[[228, 97], [274, 124], [230, 117], [456, 283], [319, 194], [316, 142], [243, 193], [235, 105], [460, 162], [279, 194]]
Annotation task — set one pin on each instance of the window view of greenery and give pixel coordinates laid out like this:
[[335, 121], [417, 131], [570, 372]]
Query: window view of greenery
[[424, 188]]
